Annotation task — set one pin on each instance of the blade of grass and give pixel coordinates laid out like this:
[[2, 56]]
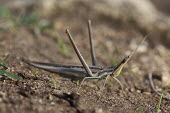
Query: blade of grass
[[2, 63], [63, 49], [159, 104], [99, 80], [3, 72], [117, 51], [7, 15], [6, 58], [35, 73], [54, 84], [113, 60], [45, 26], [30, 20]]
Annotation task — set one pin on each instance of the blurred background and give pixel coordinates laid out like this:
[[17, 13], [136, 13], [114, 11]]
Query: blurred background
[[148, 16]]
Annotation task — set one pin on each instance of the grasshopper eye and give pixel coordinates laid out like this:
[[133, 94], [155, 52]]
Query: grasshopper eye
[[126, 59]]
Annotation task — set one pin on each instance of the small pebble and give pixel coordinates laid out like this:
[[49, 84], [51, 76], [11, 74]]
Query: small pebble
[[138, 91], [132, 89], [147, 93]]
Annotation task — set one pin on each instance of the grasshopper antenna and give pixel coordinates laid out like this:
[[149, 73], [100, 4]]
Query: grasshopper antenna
[[138, 46], [117, 70], [86, 67], [93, 57]]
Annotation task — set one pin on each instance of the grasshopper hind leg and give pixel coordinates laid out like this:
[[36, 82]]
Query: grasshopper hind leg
[[93, 57]]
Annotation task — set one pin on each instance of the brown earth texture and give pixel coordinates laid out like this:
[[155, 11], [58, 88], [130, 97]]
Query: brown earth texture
[[36, 32]]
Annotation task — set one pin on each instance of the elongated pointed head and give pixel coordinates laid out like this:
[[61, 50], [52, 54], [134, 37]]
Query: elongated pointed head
[[119, 67]]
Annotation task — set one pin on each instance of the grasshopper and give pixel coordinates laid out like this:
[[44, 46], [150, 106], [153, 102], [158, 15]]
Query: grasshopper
[[88, 72]]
